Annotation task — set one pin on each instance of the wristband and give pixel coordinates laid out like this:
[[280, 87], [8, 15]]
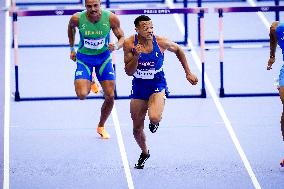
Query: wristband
[[271, 56], [72, 49], [116, 47]]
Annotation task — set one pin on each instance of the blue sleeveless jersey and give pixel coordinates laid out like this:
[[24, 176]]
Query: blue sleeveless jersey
[[150, 65], [149, 76], [280, 36]]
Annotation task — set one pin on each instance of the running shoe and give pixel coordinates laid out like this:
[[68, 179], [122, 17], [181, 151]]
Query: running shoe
[[101, 131], [141, 161], [282, 165], [95, 87], [153, 128]]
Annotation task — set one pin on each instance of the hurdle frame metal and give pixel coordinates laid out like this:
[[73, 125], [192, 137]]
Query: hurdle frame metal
[[255, 9], [220, 11], [16, 13], [80, 2], [199, 4], [184, 42]]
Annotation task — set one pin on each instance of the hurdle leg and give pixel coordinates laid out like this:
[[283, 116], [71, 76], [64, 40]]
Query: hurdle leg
[[202, 47], [16, 56], [221, 53]]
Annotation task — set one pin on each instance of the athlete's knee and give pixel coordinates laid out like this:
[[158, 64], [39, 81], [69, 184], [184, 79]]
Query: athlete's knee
[[82, 94], [82, 97], [137, 117], [82, 89], [109, 98]]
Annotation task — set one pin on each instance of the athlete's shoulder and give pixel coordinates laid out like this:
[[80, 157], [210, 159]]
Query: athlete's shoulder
[[163, 42], [273, 26], [80, 14], [161, 39], [112, 14], [74, 21], [278, 28], [114, 20], [129, 42]]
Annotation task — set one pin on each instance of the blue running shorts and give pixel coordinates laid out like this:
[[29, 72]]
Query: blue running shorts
[[102, 64], [144, 92]]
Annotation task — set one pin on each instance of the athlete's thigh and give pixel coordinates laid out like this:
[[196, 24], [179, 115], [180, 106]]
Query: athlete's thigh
[[138, 109], [156, 103], [105, 71], [83, 71], [83, 77], [82, 85]]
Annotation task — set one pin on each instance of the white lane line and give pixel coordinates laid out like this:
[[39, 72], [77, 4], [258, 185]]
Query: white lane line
[[119, 135], [7, 97], [122, 148], [218, 104]]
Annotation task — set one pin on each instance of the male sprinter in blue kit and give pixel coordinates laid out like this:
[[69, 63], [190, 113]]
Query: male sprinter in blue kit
[[277, 36], [94, 50], [144, 58]]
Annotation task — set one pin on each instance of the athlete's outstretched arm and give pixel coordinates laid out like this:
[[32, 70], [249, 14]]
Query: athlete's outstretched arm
[[73, 23], [166, 44], [117, 31], [273, 44]]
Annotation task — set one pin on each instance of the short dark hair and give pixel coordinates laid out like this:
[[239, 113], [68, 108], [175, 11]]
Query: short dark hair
[[141, 18]]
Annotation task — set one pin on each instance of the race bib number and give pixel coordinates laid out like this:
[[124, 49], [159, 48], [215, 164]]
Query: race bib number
[[94, 43], [145, 74]]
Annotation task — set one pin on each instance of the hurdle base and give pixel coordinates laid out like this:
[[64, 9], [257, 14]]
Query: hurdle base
[[238, 41], [55, 98], [122, 97], [203, 93], [185, 96], [222, 92], [248, 95], [17, 97]]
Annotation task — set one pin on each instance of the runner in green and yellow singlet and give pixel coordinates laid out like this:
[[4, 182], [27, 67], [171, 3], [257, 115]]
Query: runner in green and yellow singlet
[[94, 51]]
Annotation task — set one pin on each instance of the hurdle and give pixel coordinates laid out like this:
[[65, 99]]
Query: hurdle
[[65, 12], [220, 11], [60, 12], [199, 4], [254, 9], [78, 2], [109, 2]]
